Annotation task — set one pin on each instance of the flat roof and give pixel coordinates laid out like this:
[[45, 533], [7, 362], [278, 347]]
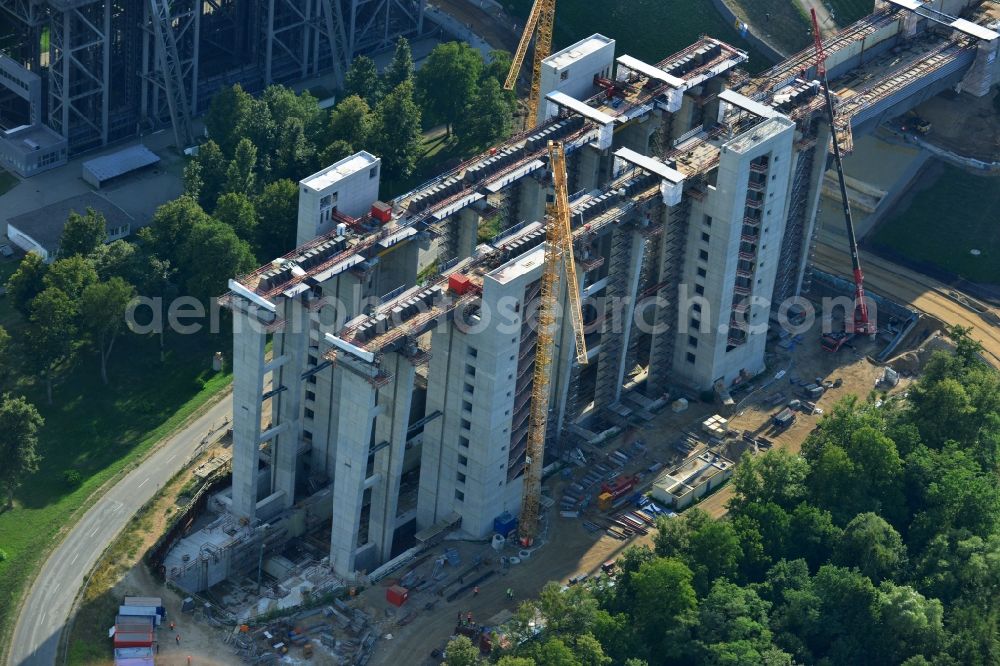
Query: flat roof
[[576, 106], [45, 225], [974, 29], [747, 104], [339, 170], [121, 162], [912, 5], [650, 71], [650, 165], [581, 49], [519, 266], [42, 135]]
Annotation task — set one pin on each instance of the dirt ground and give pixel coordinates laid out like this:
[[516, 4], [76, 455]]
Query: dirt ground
[[495, 26], [963, 124]]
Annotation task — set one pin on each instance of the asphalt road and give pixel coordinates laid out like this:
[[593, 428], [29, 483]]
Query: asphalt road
[[47, 608]]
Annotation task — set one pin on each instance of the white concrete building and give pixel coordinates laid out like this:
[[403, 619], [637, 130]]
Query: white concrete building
[[572, 70], [348, 187]]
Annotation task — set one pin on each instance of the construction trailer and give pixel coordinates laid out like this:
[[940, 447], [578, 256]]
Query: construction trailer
[[396, 398]]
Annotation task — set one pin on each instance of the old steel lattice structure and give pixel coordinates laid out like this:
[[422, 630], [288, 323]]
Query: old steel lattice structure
[[114, 68]]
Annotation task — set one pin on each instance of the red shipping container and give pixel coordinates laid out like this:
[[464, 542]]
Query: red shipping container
[[397, 595], [132, 638], [459, 284], [382, 211]]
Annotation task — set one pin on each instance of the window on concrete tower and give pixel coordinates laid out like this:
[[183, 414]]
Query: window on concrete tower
[[466, 425], [473, 352], [691, 358], [703, 255], [463, 442], [692, 341], [459, 495], [705, 237], [459, 477], [699, 289]]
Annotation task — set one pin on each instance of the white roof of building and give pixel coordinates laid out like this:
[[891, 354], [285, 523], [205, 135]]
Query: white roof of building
[[576, 106], [747, 104], [581, 49], [908, 4], [336, 172], [639, 67], [650, 165], [120, 163], [974, 29], [519, 266]]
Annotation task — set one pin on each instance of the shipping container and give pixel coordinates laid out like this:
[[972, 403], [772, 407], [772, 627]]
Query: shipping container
[[397, 595]]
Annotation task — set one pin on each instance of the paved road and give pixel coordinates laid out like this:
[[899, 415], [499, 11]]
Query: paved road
[[47, 608]]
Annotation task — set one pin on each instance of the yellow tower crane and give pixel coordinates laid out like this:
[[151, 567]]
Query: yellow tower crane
[[558, 256], [540, 20]]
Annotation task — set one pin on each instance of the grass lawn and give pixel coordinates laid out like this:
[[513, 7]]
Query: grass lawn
[[667, 26], [98, 431], [7, 181], [944, 222], [783, 24], [846, 12]]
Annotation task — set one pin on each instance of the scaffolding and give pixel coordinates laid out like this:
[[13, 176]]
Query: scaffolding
[[661, 354]]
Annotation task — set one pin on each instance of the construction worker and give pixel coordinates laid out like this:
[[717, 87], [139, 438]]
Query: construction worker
[[178, 639], [171, 625], [475, 590], [510, 593]]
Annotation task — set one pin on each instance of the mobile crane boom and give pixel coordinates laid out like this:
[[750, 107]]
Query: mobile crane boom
[[558, 255], [861, 324]]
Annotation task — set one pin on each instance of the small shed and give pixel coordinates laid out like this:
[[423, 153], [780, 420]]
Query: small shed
[[102, 170], [397, 595]]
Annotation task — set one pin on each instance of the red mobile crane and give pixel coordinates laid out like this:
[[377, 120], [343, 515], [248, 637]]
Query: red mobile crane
[[862, 326]]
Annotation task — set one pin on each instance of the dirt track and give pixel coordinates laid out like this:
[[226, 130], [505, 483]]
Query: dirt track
[[911, 288]]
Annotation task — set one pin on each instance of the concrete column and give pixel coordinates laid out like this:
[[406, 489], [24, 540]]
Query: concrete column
[[815, 192], [357, 398], [293, 343], [248, 387], [531, 207], [398, 267], [468, 232], [432, 448], [390, 426], [588, 169]]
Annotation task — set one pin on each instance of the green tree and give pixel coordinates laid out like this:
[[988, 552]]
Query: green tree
[[351, 121], [19, 424], [489, 116], [102, 313], [911, 623], [212, 166], [117, 259], [193, 179], [710, 548], [284, 105], [497, 67], [335, 152], [569, 613], [397, 132], [171, 225], [663, 620], [849, 615], [812, 535], [362, 79], [6, 355], [229, 111], [156, 279], [50, 336], [776, 476], [241, 173], [212, 255], [82, 234], [447, 82], [296, 155], [461, 652], [71, 275], [27, 282], [516, 661], [236, 210], [400, 68], [873, 546], [277, 212]]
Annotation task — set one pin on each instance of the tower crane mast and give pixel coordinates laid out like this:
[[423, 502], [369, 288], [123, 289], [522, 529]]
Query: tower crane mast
[[539, 25], [861, 324], [558, 255]]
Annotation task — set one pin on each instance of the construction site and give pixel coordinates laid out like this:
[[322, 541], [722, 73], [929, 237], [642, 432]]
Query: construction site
[[419, 412]]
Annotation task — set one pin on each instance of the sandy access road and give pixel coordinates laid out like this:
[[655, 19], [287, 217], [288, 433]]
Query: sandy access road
[[911, 288]]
